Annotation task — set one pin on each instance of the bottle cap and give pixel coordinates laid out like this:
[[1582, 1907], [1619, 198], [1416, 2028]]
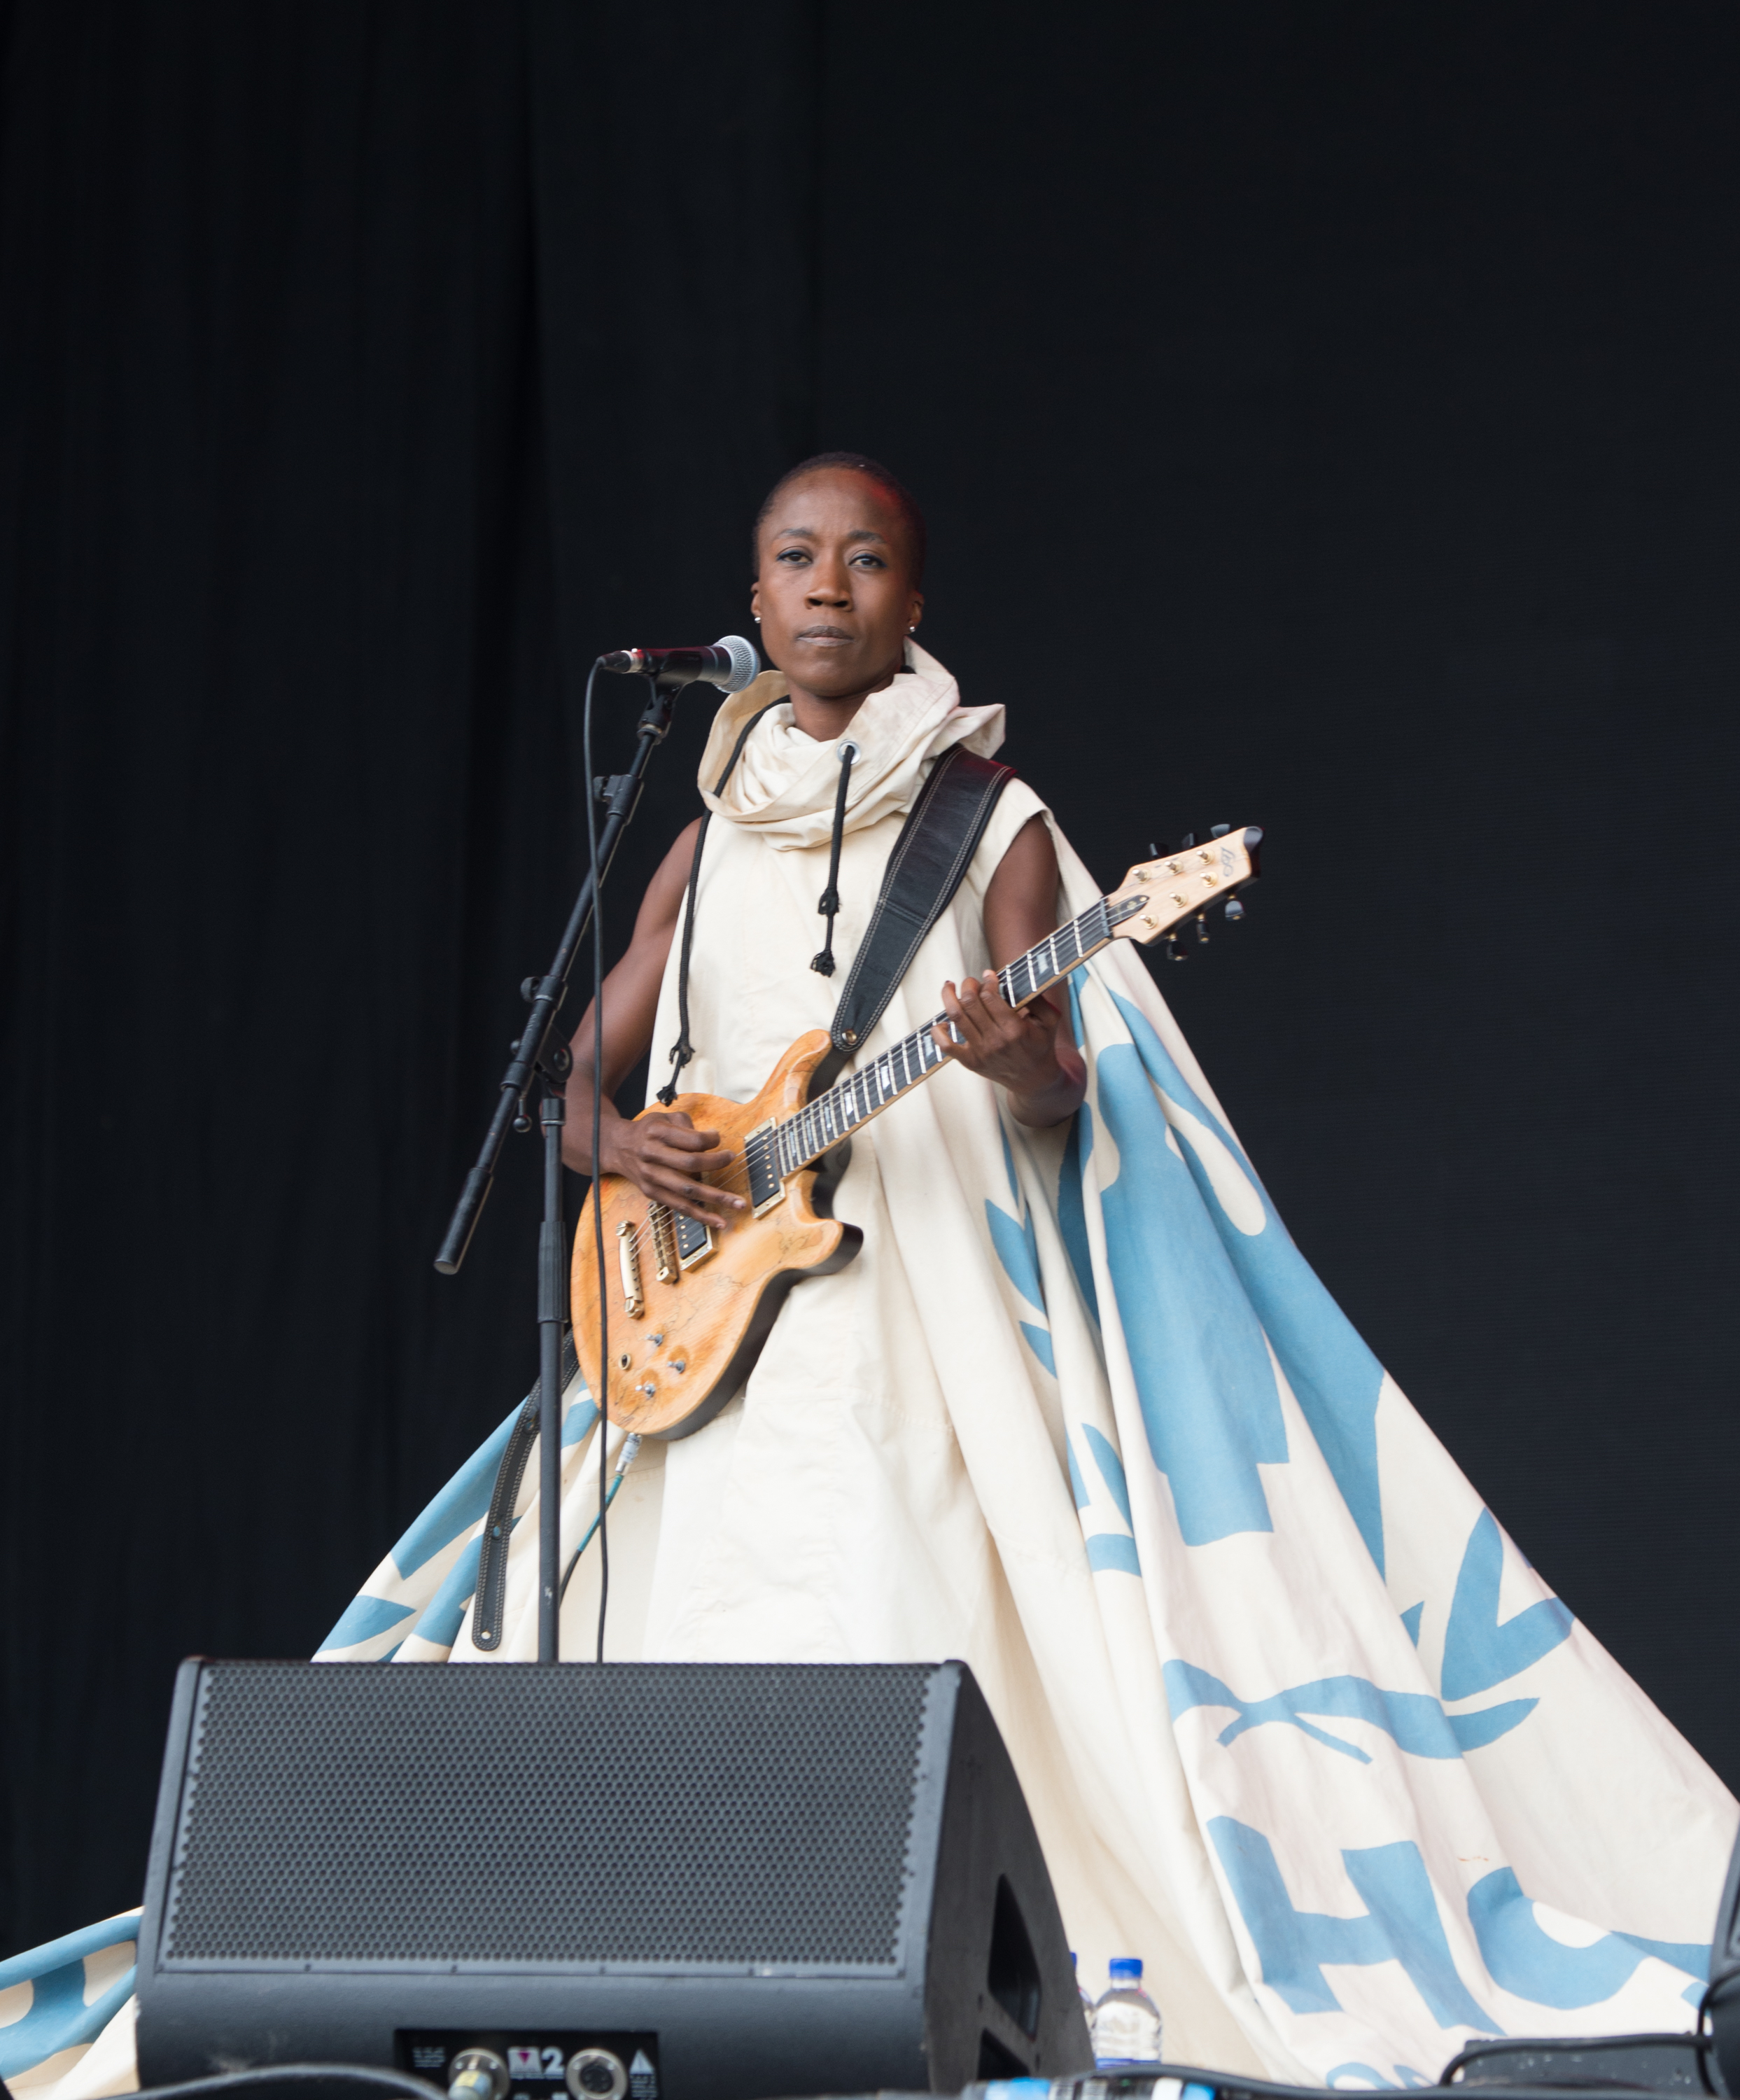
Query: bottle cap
[[1126, 1969]]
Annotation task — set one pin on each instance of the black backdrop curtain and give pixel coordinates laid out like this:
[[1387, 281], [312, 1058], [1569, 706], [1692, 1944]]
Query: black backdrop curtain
[[1325, 416]]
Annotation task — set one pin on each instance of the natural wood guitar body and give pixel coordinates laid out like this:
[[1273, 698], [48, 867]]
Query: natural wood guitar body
[[694, 1337]]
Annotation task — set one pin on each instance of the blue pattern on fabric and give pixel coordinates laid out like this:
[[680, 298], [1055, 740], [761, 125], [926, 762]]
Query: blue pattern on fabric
[[1111, 1470], [580, 1419], [1416, 1721], [1474, 1731], [1530, 1963], [364, 1618], [1072, 1183], [1203, 1380], [1478, 1652], [445, 1612], [1018, 1249], [460, 1503], [1014, 1185], [1334, 1376], [1411, 1620], [1113, 1549], [1039, 1341], [59, 2018], [1077, 1485], [1072, 1206], [1400, 1923]]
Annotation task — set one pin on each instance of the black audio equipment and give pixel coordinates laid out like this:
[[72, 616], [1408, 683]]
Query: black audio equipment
[[1635, 2062], [641, 1882], [1721, 2004]]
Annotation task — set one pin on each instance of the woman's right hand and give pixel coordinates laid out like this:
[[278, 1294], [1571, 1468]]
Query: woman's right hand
[[666, 1157]]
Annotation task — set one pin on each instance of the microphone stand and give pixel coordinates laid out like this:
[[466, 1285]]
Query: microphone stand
[[536, 1057]]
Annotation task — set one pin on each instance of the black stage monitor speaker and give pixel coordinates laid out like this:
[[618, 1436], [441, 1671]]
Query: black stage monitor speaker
[[1721, 2005], [644, 1882]]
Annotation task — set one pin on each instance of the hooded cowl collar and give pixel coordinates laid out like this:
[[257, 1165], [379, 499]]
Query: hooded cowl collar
[[785, 784]]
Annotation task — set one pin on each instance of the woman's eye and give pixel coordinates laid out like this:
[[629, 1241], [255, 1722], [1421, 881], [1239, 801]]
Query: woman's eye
[[869, 561], [792, 554]]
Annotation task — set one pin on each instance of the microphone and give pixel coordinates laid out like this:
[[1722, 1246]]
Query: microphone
[[730, 663]]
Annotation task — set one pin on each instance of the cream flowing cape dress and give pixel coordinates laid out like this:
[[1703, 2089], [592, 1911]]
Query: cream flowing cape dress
[[1296, 1722]]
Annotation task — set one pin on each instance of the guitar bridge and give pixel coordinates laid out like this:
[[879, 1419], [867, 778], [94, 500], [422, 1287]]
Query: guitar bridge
[[694, 1240], [762, 1164]]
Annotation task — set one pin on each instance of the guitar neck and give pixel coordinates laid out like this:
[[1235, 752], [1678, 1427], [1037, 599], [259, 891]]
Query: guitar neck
[[821, 1123]]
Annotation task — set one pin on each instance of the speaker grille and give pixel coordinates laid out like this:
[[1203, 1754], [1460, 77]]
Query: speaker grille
[[396, 1813]]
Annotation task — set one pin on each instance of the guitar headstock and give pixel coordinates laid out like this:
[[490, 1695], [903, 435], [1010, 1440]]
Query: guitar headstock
[[1158, 895]]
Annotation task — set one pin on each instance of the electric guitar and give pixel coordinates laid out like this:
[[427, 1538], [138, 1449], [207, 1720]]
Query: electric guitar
[[691, 1304]]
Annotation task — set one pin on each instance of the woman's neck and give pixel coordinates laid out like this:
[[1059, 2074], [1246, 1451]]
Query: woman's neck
[[827, 719]]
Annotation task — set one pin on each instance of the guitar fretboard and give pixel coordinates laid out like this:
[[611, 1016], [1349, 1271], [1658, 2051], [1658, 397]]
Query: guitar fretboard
[[821, 1123]]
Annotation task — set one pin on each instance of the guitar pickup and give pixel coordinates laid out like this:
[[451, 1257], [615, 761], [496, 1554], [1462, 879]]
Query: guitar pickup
[[694, 1240], [761, 1162], [628, 1259]]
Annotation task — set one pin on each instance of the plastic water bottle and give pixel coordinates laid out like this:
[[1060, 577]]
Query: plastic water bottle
[[1126, 2025], [1082, 1992]]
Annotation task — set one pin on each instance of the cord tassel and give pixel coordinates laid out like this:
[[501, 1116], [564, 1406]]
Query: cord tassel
[[829, 904]]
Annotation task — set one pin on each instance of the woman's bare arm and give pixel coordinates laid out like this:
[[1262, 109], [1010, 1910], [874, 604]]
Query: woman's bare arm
[[1028, 1051], [663, 1155]]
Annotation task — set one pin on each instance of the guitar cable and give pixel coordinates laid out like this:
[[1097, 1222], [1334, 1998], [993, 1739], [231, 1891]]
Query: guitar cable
[[596, 1192]]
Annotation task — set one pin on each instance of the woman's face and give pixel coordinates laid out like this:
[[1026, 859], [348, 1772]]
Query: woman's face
[[834, 594]]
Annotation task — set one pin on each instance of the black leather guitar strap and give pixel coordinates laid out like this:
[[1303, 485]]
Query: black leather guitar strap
[[929, 861]]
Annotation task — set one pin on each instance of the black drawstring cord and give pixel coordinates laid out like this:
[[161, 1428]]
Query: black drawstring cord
[[682, 1050], [830, 903]]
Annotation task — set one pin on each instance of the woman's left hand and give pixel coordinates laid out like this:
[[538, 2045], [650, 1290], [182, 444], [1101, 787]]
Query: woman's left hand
[[1013, 1047]]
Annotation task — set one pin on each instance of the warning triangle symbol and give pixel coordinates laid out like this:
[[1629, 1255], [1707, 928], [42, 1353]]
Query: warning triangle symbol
[[641, 2067]]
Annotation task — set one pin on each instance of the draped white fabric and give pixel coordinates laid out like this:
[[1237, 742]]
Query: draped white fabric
[[1297, 1722]]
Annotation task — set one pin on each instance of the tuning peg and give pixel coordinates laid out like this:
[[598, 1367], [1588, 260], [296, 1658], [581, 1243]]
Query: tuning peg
[[1220, 830], [1188, 840], [1174, 953], [1235, 911], [1202, 930]]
